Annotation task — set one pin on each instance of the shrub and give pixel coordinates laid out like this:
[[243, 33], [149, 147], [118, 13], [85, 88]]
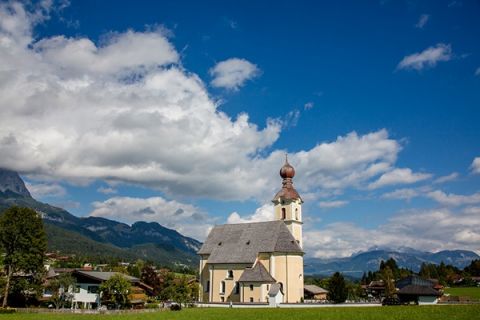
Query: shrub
[[175, 307]]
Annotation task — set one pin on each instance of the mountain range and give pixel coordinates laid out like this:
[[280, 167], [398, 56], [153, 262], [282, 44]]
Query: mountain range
[[359, 263], [100, 238]]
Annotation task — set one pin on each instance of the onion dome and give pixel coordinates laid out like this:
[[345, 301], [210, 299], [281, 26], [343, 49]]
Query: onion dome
[[288, 192], [287, 171]]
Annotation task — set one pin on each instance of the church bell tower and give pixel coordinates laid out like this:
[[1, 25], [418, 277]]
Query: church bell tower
[[288, 204]]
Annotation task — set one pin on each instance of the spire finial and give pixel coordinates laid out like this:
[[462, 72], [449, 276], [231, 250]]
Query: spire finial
[[286, 157]]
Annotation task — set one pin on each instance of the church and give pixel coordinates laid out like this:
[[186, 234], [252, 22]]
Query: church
[[259, 262]]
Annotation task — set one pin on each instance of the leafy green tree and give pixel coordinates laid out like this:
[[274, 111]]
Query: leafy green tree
[[24, 243], [59, 287], [387, 277], [135, 269], [116, 290], [337, 289]]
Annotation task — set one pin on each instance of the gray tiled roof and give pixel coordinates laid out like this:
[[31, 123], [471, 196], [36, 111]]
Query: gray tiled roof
[[413, 289], [256, 274], [104, 276], [314, 289], [241, 243]]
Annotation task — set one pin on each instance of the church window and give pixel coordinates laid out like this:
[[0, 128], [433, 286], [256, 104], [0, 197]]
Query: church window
[[268, 287], [222, 299], [222, 287], [251, 287], [207, 287], [251, 299], [237, 288], [296, 213], [230, 274], [284, 213]]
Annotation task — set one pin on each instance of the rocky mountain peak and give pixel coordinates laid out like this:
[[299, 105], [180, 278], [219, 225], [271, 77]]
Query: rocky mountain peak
[[11, 181]]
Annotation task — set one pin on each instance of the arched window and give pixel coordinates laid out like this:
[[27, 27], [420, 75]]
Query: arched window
[[251, 287], [222, 287], [237, 288], [296, 213], [207, 287], [284, 213], [230, 274]]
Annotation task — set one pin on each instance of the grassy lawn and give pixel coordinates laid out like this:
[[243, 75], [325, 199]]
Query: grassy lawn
[[466, 312], [473, 292]]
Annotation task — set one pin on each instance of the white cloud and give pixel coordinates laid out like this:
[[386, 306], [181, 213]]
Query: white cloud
[[398, 176], [406, 194], [107, 190], [477, 72], [232, 73], [78, 111], [476, 165], [432, 230], [308, 106], [263, 213], [332, 204], [45, 190], [185, 218], [291, 119], [451, 177], [422, 21], [454, 199], [427, 58]]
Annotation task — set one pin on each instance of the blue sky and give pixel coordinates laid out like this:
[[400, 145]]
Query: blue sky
[[181, 112]]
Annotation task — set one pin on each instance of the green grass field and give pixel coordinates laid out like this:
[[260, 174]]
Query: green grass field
[[467, 312], [472, 292]]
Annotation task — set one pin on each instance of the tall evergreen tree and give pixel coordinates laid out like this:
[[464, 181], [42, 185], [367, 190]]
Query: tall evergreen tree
[[337, 289], [24, 244]]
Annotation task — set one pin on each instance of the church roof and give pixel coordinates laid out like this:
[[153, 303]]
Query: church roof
[[256, 274], [241, 243]]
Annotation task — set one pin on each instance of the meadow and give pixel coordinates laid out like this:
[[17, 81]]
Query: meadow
[[472, 292], [438, 312]]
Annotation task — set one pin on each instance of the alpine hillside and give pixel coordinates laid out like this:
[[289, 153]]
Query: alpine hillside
[[100, 238]]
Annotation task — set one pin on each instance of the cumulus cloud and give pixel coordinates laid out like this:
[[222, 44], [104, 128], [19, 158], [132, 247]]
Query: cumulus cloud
[[422, 21], [332, 204], [45, 190], [476, 165], [398, 176], [233, 73], [451, 199], [263, 213], [439, 229], [80, 111], [427, 58], [185, 218]]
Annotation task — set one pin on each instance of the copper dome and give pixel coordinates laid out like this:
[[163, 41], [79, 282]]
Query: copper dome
[[287, 171]]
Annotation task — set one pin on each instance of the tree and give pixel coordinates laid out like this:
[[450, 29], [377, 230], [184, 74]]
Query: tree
[[337, 289], [60, 289], [150, 277], [116, 290], [387, 277], [24, 243]]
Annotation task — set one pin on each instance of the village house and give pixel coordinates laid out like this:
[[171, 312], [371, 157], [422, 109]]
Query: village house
[[257, 262], [315, 293], [87, 291]]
